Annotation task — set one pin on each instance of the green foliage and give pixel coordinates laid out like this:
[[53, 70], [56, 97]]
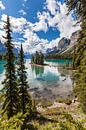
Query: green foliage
[[80, 58], [59, 56], [15, 123], [80, 63], [11, 103], [46, 103], [38, 58], [81, 48], [78, 6], [59, 120], [25, 98], [66, 101], [80, 88]]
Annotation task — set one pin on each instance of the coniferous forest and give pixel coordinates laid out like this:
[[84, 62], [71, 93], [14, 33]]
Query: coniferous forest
[[38, 58], [19, 108]]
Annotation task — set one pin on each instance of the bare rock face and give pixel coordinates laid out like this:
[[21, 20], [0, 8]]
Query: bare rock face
[[74, 37], [63, 43]]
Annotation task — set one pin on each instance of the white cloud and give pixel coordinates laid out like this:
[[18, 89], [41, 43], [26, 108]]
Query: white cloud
[[60, 20], [52, 6], [41, 25], [2, 7], [18, 24], [55, 17], [2, 33], [33, 42], [25, 0], [22, 12]]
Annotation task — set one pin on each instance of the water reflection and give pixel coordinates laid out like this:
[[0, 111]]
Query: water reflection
[[37, 70], [47, 81]]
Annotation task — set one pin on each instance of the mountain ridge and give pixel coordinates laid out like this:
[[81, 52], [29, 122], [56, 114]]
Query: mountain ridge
[[65, 45]]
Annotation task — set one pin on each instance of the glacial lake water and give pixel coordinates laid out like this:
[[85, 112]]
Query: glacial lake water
[[48, 81]]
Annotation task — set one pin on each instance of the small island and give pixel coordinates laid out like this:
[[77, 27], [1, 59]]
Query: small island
[[37, 58]]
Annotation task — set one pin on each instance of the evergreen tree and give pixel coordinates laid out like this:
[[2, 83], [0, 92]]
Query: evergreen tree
[[11, 103], [79, 7], [41, 58], [81, 48], [38, 58], [80, 63], [25, 98], [80, 58]]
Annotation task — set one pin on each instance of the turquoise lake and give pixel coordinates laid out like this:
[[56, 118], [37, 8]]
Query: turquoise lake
[[49, 81]]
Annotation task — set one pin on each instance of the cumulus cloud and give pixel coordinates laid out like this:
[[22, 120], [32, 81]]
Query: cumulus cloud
[[33, 42], [56, 16], [40, 26], [25, 0], [53, 15], [63, 22], [2, 7], [52, 6], [22, 12], [18, 24]]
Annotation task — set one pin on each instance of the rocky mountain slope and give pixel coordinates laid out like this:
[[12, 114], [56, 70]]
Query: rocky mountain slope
[[64, 46]]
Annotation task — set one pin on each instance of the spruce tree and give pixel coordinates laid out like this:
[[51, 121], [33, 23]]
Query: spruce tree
[[80, 63], [79, 8], [25, 98], [41, 58], [11, 103], [81, 47], [80, 59]]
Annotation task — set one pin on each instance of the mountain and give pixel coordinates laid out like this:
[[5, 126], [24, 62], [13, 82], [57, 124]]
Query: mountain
[[61, 46], [52, 50], [64, 46], [63, 43], [73, 43]]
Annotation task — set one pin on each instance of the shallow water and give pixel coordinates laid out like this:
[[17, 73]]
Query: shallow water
[[47, 82]]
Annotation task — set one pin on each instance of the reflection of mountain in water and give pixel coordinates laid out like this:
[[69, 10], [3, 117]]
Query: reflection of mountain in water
[[46, 81], [45, 73]]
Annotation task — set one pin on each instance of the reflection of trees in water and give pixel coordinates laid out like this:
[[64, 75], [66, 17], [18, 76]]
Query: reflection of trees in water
[[65, 63], [65, 71], [38, 70]]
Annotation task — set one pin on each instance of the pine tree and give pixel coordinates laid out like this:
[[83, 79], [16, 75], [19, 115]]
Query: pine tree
[[38, 58], [80, 58], [80, 63], [79, 8], [11, 103], [81, 44], [25, 98]]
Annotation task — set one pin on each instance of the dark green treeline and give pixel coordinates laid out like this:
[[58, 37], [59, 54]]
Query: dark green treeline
[[79, 7], [17, 98], [38, 58]]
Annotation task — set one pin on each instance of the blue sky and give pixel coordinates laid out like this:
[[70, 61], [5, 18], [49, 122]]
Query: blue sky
[[43, 21], [12, 8]]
